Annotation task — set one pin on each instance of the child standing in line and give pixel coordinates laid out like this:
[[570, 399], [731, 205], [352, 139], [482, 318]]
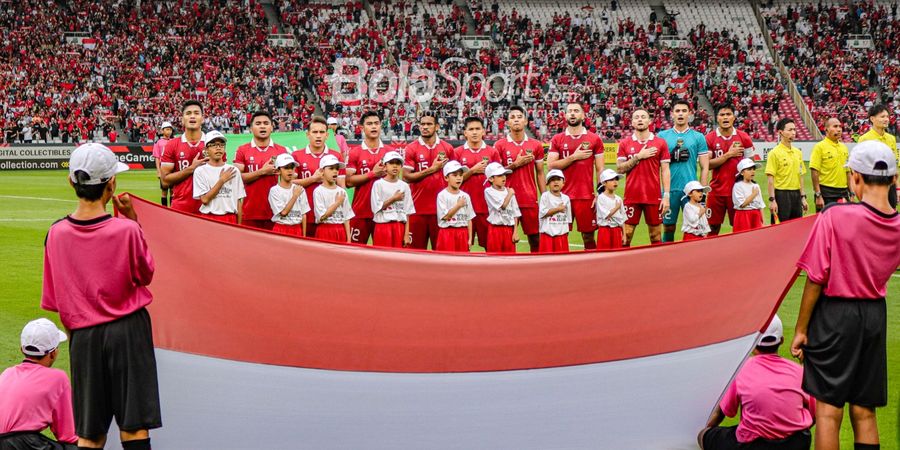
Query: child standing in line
[[695, 224], [454, 212], [503, 211], [333, 212], [748, 202], [217, 184], [555, 212], [610, 212], [287, 200], [391, 201]]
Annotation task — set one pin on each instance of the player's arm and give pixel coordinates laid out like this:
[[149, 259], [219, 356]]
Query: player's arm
[[704, 168], [716, 417], [248, 177], [555, 162], [732, 152], [541, 181], [665, 178], [599, 165], [624, 165]]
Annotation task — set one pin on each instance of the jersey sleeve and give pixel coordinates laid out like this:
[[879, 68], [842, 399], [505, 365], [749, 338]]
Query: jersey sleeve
[[816, 256], [539, 152], [277, 202], [802, 167], [240, 157], [495, 155], [348, 211], [770, 163], [554, 146], [48, 293], [621, 155], [470, 210], [239, 185], [201, 185], [730, 400], [702, 145], [664, 155], [598, 148], [493, 202], [514, 207], [409, 159], [408, 202], [603, 207], [319, 203], [63, 418], [142, 264], [815, 158], [568, 208], [442, 207], [544, 205], [352, 162], [377, 196]]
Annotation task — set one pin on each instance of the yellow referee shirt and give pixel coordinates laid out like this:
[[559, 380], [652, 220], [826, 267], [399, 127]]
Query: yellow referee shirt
[[886, 138], [828, 158], [786, 165]]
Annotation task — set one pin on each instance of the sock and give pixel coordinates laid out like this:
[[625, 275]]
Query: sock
[[164, 201], [137, 444], [858, 446], [668, 236]]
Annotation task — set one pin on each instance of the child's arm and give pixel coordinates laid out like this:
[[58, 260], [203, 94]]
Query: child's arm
[[515, 236], [471, 237], [391, 200], [461, 203], [614, 210], [296, 192], [338, 202], [240, 210], [811, 293], [303, 224], [407, 238], [347, 231], [509, 196], [225, 175]]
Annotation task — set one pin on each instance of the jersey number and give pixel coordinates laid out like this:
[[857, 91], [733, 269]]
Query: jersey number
[[305, 174], [629, 211], [183, 164], [354, 234]]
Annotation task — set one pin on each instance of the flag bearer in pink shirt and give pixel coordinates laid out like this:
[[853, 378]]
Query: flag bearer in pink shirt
[[96, 271], [775, 412], [851, 254], [33, 396]]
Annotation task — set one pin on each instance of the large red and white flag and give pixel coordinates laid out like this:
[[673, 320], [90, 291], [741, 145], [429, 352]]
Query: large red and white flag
[[269, 341]]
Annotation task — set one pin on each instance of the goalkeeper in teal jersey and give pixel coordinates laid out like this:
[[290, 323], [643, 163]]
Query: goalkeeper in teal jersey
[[687, 147]]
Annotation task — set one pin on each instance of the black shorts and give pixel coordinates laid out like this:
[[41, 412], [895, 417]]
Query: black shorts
[[31, 440], [724, 438], [845, 358], [833, 195], [114, 375], [789, 206]]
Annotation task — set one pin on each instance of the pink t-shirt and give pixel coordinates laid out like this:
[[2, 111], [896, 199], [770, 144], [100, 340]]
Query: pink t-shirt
[[853, 250], [96, 271], [772, 403], [159, 147], [35, 397]]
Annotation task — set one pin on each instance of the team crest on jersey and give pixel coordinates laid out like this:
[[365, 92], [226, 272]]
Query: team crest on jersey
[[304, 165], [365, 163], [464, 161], [508, 153], [251, 159], [566, 146], [421, 157], [181, 154], [585, 145]]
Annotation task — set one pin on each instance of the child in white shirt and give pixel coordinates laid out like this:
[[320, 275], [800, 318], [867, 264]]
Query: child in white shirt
[[392, 205], [555, 214], [610, 212], [695, 224]]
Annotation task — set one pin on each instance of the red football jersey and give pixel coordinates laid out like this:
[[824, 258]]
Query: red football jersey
[[307, 165], [522, 180], [256, 204], [181, 154], [418, 158], [474, 186], [723, 176], [642, 184], [580, 174], [361, 161]]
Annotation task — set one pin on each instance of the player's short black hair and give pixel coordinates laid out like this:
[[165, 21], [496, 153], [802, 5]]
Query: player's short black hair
[[518, 108], [89, 192], [471, 119], [722, 106], [680, 101], [428, 114], [188, 103], [260, 113], [783, 123], [318, 119], [877, 109], [370, 113]]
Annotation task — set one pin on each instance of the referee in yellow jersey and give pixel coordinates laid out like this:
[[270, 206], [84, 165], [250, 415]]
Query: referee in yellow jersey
[[880, 117], [784, 172], [830, 178]]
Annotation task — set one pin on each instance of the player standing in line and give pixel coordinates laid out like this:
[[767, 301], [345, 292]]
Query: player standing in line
[[687, 147], [503, 211], [645, 158], [364, 166], [392, 203], [165, 134], [425, 159], [525, 158], [308, 174], [830, 177], [475, 155], [455, 213], [332, 209], [96, 271], [610, 212], [256, 162], [880, 117], [555, 210], [578, 153], [218, 184], [184, 155], [784, 171], [851, 254], [727, 146], [287, 200]]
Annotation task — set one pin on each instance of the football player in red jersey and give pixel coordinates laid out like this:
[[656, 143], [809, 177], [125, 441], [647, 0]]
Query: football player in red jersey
[[423, 165], [579, 154], [364, 166], [308, 174], [181, 156], [475, 155], [727, 147], [525, 157], [256, 161]]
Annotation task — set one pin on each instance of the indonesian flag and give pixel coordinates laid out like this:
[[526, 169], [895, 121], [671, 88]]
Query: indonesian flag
[[89, 43], [356, 347], [200, 90]]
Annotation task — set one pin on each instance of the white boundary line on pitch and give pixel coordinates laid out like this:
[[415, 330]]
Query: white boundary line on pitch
[[46, 199], [28, 220]]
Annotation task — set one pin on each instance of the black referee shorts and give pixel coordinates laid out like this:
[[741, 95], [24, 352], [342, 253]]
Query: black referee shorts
[[789, 206], [724, 438], [833, 195], [31, 440], [114, 375], [845, 358]]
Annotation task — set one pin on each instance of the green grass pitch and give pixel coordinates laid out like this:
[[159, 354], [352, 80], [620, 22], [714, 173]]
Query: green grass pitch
[[30, 201]]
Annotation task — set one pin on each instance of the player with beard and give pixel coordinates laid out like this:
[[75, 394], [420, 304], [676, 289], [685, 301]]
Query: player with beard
[[687, 147], [182, 156], [364, 166], [518, 153], [423, 166], [727, 146], [578, 153], [256, 162], [308, 174]]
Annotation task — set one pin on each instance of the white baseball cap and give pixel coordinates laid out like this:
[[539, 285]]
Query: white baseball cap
[[332, 121], [694, 186], [609, 174], [97, 160], [331, 160], [453, 166], [40, 336], [774, 333], [555, 173], [746, 163], [392, 156], [493, 169], [166, 125], [873, 158], [213, 135], [284, 160]]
